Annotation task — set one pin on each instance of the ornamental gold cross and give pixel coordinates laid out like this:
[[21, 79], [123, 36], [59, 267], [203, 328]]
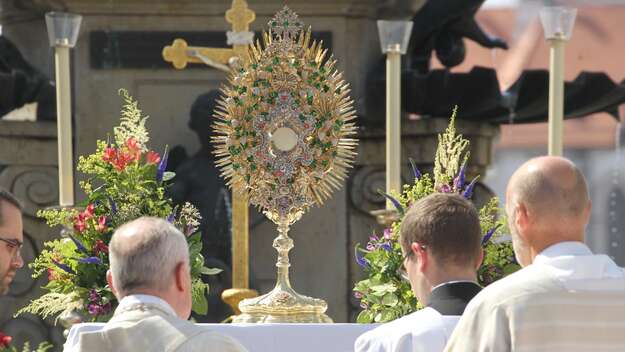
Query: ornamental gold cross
[[180, 54]]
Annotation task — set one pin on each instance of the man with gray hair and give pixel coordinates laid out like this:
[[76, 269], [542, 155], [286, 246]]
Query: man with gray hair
[[11, 239], [150, 276], [565, 298]]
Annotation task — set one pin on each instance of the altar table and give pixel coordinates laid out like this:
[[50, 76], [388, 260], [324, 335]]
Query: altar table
[[272, 337]]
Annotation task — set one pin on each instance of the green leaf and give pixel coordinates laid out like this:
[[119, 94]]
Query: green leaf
[[211, 271], [200, 303], [168, 176], [364, 317], [390, 299]]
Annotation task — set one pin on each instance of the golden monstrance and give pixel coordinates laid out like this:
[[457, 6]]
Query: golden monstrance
[[283, 127]]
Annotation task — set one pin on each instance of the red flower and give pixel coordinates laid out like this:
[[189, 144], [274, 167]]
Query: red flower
[[100, 247], [101, 227], [89, 211], [109, 154], [80, 222], [133, 148], [153, 157], [51, 275], [5, 340]]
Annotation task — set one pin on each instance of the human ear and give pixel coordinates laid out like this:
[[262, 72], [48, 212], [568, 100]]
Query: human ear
[[181, 276], [480, 259], [421, 255], [109, 279]]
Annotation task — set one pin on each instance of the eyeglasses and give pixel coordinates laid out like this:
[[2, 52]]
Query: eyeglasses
[[402, 267], [403, 273], [14, 245]]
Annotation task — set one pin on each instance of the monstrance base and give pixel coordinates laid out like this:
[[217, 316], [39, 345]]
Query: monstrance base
[[283, 305]]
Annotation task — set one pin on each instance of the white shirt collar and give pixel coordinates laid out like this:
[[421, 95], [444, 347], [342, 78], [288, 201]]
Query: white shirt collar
[[131, 300], [452, 282], [570, 248]]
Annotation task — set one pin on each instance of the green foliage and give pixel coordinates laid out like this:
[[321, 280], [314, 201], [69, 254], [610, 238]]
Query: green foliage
[[384, 295], [43, 347], [124, 182]]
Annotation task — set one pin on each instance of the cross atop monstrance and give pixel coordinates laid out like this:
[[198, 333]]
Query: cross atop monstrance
[[180, 54]]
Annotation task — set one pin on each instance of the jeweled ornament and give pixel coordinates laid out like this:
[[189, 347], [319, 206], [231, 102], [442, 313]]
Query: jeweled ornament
[[283, 136]]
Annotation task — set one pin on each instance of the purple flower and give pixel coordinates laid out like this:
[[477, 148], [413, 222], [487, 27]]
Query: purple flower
[[373, 238], [387, 233], [489, 234], [444, 189], [358, 295], [468, 192], [460, 179], [160, 171], [170, 218], [79, 245], [386, 246], [370, 246], [363, 305], [189, 230], [64, 267], [90, 260], [360, 260], [112, 205], [94, 296], [395, 202], [415, 171]]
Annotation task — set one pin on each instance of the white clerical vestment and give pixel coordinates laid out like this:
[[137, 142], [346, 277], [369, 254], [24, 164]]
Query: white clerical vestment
[[147, 323], [568, 300], [424, 330]]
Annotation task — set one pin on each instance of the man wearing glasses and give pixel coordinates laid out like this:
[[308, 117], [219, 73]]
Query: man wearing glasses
[[441, 241], [10, 239]]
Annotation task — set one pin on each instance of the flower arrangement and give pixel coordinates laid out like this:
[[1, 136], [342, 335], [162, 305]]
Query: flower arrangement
[[384, 296], [7, 346], [125, 181]]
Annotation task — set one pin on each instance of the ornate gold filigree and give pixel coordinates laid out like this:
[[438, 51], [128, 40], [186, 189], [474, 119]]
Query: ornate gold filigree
[[284, 127]]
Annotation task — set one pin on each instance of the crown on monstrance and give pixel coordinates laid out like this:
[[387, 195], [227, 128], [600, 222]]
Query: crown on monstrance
[[283, 122]]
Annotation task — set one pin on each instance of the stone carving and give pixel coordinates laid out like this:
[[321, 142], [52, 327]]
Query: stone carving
[[36, 187]]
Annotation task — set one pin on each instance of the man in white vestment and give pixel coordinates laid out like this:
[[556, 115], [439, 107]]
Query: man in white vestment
[[150, 276], [441, 241], [565, 298]]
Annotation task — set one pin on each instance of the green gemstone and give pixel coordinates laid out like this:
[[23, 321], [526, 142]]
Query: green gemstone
[[253, 167], [286, 23], [309, 99], [274, 23], [236, 166], [326, 88], [276, 60], [337, 91]]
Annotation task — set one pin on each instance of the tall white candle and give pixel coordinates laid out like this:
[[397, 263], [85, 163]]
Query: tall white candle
[[393, 122], [556, 96], [64, 126]]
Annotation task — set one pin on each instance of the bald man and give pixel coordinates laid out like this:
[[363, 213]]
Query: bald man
[[150, 276], [565, 298]]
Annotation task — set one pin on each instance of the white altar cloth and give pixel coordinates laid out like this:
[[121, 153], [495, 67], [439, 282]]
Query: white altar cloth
[[271, 337]]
